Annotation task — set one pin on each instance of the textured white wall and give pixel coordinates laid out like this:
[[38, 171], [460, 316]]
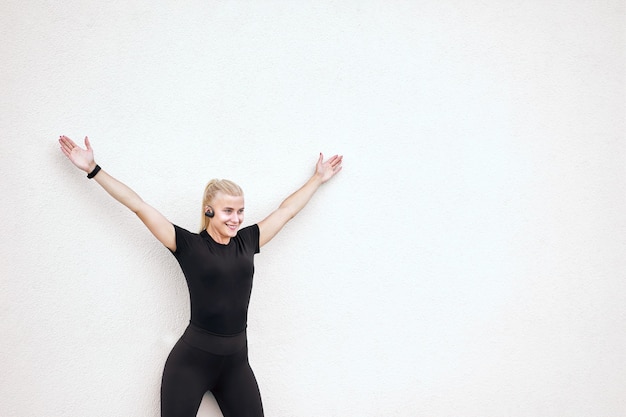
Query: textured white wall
[[468, 261]]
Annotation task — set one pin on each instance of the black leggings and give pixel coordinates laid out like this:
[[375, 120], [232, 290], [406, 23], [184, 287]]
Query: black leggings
[[201, 362]]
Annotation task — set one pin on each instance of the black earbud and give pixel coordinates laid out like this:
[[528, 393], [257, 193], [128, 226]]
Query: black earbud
[[209, 213]]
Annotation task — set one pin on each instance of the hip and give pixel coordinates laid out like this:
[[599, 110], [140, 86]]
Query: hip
[[213, 343]]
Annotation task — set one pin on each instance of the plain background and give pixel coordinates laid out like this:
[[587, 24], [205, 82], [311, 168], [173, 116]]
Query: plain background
[[468, 261]]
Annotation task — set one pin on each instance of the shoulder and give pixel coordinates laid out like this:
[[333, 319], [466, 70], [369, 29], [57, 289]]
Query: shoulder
[[249, 236], [253, 228], [184, 232], [184, 238]]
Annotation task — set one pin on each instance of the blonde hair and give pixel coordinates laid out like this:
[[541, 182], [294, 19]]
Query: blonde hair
[[210, 191]]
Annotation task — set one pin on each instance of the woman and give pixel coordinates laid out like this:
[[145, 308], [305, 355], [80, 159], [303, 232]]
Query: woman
[[212, 354]]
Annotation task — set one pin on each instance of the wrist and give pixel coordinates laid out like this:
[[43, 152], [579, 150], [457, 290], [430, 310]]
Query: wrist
[[317, 178], [93, 172]]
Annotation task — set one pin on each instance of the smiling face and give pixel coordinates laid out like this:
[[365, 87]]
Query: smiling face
[[228, 216]]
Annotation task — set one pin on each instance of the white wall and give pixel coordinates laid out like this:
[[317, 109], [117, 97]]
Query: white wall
[[468, 261]]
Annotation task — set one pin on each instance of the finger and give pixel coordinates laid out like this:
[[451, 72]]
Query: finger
[[337, 166], [65, 151], [87, 143], [335, 160], [65, 145], [69, 142]]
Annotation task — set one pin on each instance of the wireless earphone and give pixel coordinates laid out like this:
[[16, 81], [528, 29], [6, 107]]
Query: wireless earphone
[[209, 213]]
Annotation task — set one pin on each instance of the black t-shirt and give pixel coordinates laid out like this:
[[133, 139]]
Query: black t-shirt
[[219, 277]]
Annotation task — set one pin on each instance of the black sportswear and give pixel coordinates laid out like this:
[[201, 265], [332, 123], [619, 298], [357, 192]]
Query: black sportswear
[[212, 354], [219, 277]]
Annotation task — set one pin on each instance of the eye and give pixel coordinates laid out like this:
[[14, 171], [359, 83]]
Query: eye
[[241, 211]]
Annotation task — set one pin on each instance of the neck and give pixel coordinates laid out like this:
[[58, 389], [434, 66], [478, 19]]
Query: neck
[[222, 240]]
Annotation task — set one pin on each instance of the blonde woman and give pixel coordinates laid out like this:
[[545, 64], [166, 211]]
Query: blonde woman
[[218, 264]]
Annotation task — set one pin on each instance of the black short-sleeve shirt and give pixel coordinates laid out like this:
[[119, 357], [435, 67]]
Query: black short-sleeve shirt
[[219, 277]]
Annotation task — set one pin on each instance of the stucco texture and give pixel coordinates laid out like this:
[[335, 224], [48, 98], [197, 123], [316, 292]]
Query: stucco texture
[[468, 260]]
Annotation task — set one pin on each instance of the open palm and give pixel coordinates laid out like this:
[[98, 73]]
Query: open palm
[[82, 158], [328, 168]]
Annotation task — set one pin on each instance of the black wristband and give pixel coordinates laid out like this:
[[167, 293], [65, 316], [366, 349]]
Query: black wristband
[[94, 172]]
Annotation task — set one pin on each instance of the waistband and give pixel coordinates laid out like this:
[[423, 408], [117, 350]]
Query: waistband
[[213, 343]]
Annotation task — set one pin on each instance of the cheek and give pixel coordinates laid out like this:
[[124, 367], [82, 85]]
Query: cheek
[[224, 218]]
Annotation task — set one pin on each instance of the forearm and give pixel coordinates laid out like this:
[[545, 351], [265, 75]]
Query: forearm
[[292, 205], [119, 191], [296, 201]]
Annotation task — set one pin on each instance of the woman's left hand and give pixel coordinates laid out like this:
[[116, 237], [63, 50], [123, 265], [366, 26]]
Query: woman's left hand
[[327, 169]]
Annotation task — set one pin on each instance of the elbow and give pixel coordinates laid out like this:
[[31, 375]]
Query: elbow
[[288, 212], [137, 207]]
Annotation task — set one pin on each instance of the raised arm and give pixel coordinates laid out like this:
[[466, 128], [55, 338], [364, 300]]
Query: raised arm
[[158, 225], [292, 205]]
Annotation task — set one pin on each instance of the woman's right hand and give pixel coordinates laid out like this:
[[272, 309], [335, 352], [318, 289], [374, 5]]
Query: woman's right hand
[[82, 158]]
